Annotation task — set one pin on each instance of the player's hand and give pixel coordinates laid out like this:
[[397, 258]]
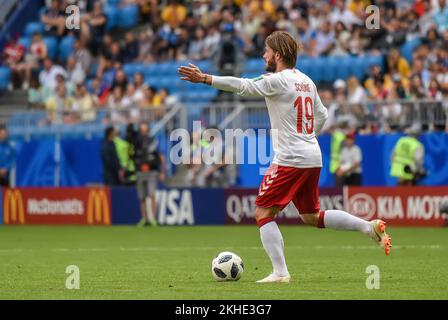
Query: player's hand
[[191, 73]]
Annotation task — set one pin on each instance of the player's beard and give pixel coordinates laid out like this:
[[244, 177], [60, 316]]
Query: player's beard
[[271, 65]]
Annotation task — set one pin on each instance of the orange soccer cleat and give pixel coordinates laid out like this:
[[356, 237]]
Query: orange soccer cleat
[[380, 236]]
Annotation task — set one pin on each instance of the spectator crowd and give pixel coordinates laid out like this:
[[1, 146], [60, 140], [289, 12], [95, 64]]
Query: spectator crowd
[[221, 29]]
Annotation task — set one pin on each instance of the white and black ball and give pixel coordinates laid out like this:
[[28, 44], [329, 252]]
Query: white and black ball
[[227, 266]]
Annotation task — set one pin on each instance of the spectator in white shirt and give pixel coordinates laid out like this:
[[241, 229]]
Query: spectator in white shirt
[[132, 97], [350, 162], [341, 13], [356, 93], [325, 39], [47, 77]]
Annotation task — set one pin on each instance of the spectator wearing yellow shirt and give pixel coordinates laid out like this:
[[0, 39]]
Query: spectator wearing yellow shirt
[[161, 101], [148, 97], [174, 13], [375, 83], [358, 7], [163, 98], [84, 104], [59, 105], [398, 64], [256, 7]]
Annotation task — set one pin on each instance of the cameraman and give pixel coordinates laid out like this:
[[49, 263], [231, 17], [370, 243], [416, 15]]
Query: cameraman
[[230, 57], [407, 159], [150, 166]]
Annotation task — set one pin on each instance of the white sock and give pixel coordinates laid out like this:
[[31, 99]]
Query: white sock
[[272, 240], [341, 220]]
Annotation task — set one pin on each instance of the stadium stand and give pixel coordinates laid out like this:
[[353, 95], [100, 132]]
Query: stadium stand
[[143, 41]]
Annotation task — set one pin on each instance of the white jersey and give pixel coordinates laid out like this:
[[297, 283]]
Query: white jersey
[[295, 110]]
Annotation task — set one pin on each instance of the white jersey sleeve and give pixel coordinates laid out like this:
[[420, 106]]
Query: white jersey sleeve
[[263, 86], [320, 112]]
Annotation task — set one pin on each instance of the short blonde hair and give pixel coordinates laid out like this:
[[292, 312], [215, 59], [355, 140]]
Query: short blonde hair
[[285, 44]]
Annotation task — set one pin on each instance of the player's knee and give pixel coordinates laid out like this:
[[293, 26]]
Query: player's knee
[[260, 214], [311, 219], [264, 213]]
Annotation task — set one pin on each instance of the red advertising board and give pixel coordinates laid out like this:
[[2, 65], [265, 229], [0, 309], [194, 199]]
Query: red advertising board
[[240, 206], [56, 206], [400, 206]]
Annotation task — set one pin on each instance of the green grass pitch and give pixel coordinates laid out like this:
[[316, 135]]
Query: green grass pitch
[[174, 263]]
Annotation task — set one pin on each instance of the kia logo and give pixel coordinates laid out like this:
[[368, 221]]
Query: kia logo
[[362, 205]]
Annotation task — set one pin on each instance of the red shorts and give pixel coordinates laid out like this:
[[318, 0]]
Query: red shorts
[[281, 185]]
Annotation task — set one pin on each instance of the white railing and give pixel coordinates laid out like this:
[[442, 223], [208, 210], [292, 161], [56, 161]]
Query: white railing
[[92, 122], [386, 116]]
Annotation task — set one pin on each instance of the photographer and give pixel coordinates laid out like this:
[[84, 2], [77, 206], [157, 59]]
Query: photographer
[[229, 58], [150, 167]]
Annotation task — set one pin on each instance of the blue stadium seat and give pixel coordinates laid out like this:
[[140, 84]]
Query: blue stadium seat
[[359, 67], [140, 67], [52, 46], [128, 16], [66, 47], [207, 95], [205, 65], [317, 69], [175, 88], [342, 68], [254, 65], [193, 87], [33, 27], [251, 75], [111, 13], [129, 69], [168, 68], [328, 68], [151, 81], [113, 2], [149, 70], [203, 95], [169, 83], [5, 75], [374, 60], [26, 42], [304, 64], [407, 48]]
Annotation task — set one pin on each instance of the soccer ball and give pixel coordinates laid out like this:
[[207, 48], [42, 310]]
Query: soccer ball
[[227, 266]]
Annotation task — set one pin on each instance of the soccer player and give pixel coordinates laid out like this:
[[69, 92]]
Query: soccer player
[[297, 115]]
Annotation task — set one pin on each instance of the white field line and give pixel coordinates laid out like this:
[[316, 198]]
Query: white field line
[[137, 249]]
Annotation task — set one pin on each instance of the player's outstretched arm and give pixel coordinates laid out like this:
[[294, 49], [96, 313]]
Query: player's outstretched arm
[[193, 74], [259, 87]]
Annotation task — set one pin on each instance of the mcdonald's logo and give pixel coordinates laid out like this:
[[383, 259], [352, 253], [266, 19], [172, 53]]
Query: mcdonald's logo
[[98, 209], [13, 207]]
